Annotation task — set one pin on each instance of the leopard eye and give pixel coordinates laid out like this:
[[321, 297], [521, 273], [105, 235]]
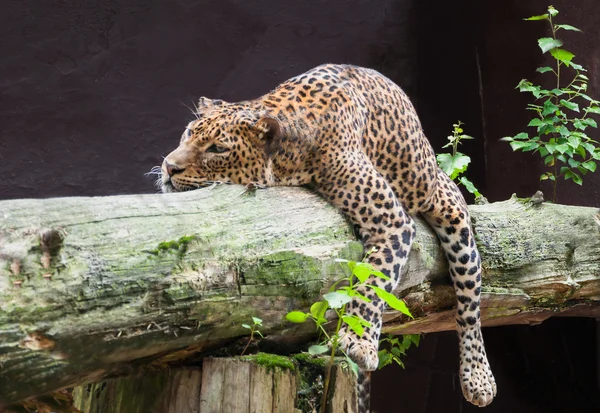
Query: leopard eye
[[217, 149], [187, 134]]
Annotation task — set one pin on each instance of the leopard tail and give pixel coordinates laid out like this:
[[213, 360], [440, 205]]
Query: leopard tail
[[363, 391]]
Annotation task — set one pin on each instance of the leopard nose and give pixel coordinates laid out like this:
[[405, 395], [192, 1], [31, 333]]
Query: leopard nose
[[173, 169]]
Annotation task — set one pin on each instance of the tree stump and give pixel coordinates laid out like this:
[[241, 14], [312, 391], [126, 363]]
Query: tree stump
[[222, 385]]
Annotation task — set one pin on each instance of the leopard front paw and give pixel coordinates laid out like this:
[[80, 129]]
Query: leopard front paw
[[361, 350]]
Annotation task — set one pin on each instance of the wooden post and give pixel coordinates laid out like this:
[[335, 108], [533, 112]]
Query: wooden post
[[221, 385]]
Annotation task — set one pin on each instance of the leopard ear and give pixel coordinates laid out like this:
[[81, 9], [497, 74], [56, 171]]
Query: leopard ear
[[205, 103], [268, 127], [269, 131]]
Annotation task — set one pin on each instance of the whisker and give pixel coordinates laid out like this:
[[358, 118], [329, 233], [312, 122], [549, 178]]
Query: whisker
[[194, 112], [155, 170]]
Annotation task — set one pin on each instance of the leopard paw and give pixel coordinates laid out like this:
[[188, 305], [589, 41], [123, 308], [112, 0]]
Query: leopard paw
[[362, 351], [476, 378]]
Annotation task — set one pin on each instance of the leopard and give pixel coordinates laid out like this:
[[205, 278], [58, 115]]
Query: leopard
[[353, 136]]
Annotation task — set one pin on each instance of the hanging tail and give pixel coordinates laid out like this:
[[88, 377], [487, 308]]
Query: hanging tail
[[363, 391]]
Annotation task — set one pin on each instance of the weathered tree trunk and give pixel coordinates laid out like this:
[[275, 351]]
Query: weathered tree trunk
[[92, 287]]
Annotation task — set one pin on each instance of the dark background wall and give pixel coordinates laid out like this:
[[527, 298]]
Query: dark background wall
[[94, 93]]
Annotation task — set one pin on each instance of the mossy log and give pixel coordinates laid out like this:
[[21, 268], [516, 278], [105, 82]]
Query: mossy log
[[94, 287]]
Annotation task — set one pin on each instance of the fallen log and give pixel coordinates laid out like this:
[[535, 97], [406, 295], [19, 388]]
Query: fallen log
[[94, 287]]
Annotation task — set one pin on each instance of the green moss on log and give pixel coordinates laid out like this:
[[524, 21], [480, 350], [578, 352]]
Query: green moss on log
[[272, 361], [180, 246]]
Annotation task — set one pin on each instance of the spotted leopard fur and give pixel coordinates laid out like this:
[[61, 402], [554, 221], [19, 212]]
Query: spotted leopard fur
[[354, 136]]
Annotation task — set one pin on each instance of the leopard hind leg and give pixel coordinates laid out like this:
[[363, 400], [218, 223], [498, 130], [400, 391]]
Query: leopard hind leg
[[448, 214]]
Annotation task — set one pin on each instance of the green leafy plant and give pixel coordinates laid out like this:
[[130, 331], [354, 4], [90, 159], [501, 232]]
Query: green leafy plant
[[455, 164], [396, 348], [336, 299], [256, 323], [560, 113]]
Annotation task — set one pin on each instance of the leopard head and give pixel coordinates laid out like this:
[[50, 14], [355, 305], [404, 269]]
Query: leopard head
[[226, 143]]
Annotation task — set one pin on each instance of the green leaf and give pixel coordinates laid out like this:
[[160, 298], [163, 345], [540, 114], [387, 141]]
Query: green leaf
[[354, 293], [552, 11], [540, 17], [549, 160], [579, 124], [337, 299], [593, 109], [573, 163], [296, 317], [562, 55], [547, 129], [589, 147], [549, 108], [453, 165], [363, 271], [384, 359], [247, 326], [317, 349], [562, 148], [582, 135], [257, 321], [570, 105], [548, 43], [564, 132], [577, 179], [318, 309], [391, 300], [415, 339], [536, 122], [566, 27], [531, 147], [521, 135], [543, 69], [381, 275], [519, 145], [353, 366], [398, 351], [469, 186], [578, 67], [590, 122], [589, 165], [354, 324], [526, 86], [574, 141], [550, 147]]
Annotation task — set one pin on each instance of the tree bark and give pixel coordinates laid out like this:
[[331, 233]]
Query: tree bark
[[93, 287]]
